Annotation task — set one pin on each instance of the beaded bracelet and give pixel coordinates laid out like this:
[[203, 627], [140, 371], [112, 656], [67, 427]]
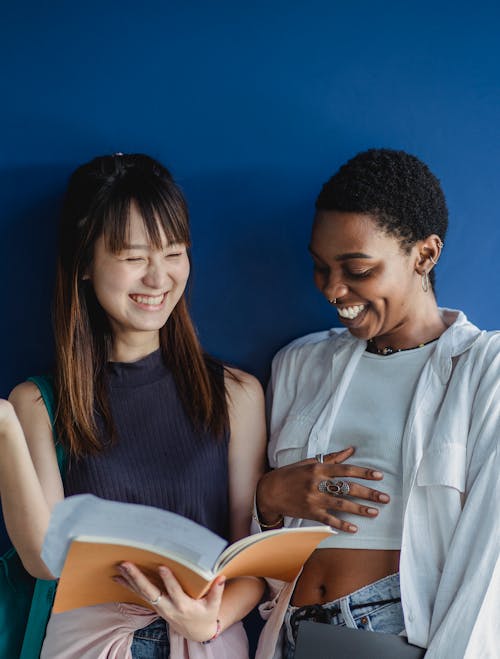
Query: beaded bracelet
[[216, 635], [267, 526]]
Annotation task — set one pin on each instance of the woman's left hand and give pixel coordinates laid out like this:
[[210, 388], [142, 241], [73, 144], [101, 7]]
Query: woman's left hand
[[195, 619]]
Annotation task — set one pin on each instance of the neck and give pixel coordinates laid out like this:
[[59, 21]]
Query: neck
[[423, 326], [131, 348]]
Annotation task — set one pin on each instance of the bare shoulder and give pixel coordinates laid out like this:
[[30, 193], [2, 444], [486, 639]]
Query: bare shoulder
[[242, 386], [246, 414], [29, 406], [25, 390]]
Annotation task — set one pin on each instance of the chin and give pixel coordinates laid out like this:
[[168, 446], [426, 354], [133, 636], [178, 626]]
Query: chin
[[360, 333]]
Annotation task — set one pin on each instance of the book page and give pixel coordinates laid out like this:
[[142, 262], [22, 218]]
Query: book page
[[278, 554], [87, 515]]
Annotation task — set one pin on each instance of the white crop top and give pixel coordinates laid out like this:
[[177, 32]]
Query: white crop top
[[372, 418]]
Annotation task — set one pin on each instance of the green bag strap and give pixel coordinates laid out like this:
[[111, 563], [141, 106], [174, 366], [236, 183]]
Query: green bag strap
[[44, 591]]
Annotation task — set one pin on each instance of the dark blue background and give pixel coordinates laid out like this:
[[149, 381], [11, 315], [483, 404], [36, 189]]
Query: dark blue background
[[252, 106]]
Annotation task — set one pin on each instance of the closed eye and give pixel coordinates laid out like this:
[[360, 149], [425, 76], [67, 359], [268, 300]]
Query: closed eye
[[362, 274]]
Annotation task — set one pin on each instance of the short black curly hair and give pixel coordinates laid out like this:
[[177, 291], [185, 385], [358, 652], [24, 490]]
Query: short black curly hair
[[397, 189]]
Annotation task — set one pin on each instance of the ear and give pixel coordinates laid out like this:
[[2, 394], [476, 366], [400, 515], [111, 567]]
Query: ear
[[429, 251]]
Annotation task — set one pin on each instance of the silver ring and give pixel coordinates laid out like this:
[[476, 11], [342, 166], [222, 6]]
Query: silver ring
[[319, 457], [157, 600], [335, 487]]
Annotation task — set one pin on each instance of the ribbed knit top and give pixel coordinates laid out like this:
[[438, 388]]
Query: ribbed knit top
[[159, 459]]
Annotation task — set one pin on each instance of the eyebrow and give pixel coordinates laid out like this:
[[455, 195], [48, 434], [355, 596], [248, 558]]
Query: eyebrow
[[346, 256], [170, 245]]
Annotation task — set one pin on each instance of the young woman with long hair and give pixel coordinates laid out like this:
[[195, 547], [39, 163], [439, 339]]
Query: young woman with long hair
[[143, 413]]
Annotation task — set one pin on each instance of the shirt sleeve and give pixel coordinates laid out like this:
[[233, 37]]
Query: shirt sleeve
[[465, 621]]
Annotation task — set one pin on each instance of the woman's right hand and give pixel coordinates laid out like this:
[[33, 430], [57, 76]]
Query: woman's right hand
[[293, 491]]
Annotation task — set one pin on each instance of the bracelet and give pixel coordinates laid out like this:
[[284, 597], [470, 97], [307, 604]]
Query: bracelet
[[267, 526], [216, 635]]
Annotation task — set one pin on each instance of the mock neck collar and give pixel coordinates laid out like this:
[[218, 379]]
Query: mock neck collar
[[131, 374]]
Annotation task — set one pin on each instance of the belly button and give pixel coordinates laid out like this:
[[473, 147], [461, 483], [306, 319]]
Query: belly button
[[322, 591]]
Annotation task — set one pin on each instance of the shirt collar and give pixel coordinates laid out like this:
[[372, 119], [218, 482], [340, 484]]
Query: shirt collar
[[459, 336]]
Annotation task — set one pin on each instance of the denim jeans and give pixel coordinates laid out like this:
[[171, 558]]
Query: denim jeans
[[152, 642], [376, 607]]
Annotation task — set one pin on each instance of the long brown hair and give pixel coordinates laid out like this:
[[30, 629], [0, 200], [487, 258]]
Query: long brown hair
[[97, 202]]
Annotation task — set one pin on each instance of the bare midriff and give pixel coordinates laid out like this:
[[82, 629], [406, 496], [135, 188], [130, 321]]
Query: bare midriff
[[333, 573]]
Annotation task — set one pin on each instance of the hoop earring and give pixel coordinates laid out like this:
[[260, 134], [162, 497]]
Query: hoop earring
[[440, 245], [425, 282], [333, 300]]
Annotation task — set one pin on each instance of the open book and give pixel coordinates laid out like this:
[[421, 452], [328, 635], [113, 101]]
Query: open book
[[88, 537]]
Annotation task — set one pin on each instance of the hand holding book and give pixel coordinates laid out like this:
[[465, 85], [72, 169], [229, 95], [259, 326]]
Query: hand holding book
[[195, 619], [88, 537]]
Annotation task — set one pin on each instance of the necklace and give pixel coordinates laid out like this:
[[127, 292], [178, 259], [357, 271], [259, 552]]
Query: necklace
[[371, 346]]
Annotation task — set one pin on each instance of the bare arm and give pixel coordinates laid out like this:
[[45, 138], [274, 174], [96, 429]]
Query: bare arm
[[247, 448], [30, 482]]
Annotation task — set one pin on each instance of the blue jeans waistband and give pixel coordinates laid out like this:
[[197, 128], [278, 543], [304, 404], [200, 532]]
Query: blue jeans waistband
[[383, 592]]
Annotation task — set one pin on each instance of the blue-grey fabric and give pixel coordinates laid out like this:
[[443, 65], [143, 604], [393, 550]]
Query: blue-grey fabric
[[151, 642], [159, 459]]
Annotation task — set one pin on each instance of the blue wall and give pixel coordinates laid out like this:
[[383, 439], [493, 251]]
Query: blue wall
[[252, 107]]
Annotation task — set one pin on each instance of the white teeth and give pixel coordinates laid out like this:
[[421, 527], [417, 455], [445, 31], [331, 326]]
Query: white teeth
[[144, 299], [351, 312]]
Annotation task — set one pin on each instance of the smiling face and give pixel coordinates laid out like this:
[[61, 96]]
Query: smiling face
[[377, 287], [139, 286]]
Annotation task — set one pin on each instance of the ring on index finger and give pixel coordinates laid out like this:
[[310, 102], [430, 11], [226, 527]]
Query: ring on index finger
[[335, 487]]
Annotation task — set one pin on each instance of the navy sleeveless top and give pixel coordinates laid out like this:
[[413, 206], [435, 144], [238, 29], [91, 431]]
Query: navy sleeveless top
[[158, 458]]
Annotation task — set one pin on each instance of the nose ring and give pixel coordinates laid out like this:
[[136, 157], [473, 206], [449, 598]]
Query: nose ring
[[332, 300]]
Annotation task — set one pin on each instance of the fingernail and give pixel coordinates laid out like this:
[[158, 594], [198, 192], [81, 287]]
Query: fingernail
[[377, 474], [163, 569], [353, 528], [384, 498], [372, 511]]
